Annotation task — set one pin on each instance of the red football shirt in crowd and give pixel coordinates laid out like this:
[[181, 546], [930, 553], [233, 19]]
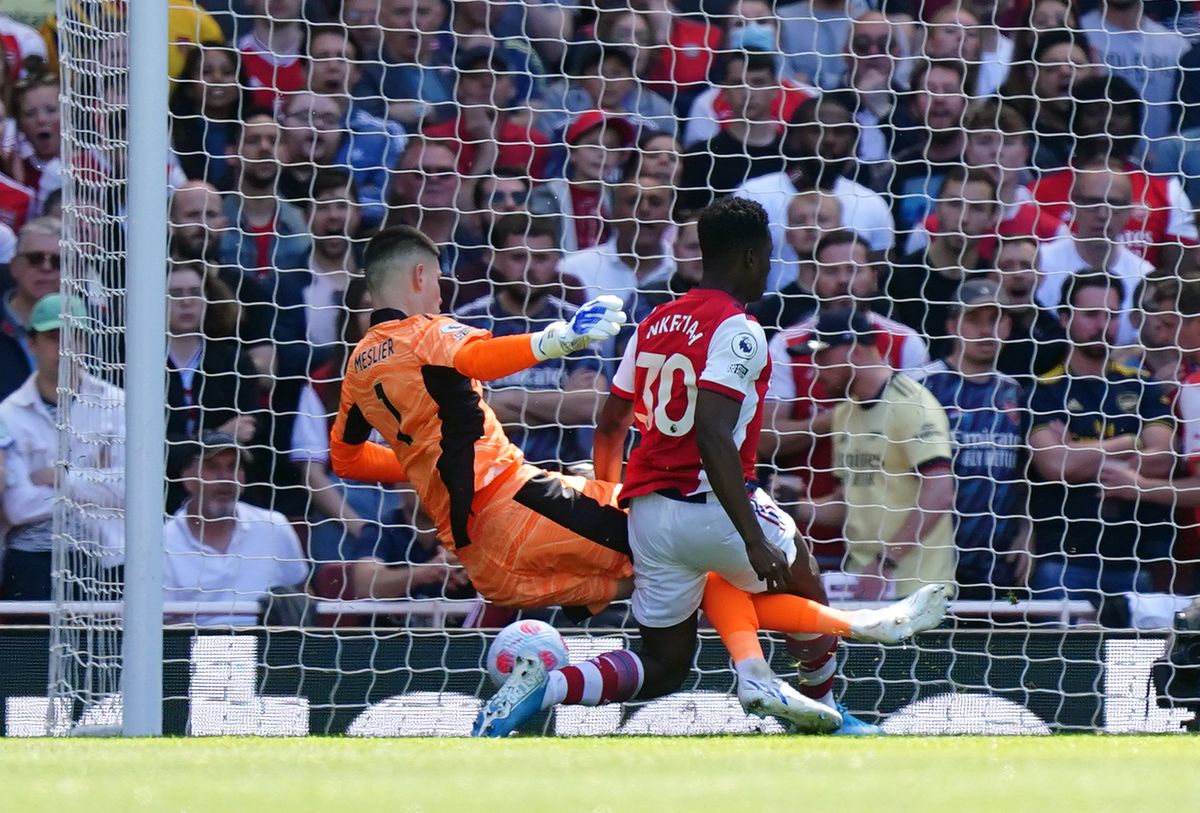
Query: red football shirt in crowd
[[519, 147]]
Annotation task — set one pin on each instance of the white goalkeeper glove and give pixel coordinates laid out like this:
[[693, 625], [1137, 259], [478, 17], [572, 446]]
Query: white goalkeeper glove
[[596, 321]]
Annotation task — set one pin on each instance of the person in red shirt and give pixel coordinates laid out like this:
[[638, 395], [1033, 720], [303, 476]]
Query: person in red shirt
[[15, 201], [485, 134], [271, 50], [1107, 124]]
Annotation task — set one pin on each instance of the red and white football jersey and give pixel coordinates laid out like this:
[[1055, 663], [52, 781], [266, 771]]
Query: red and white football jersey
[[703, 340], [1161, 213]]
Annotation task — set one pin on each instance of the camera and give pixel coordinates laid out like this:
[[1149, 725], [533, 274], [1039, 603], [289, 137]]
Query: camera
[[1176, 674]]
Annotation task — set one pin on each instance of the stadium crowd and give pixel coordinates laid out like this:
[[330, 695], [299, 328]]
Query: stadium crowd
[[1004, 193]]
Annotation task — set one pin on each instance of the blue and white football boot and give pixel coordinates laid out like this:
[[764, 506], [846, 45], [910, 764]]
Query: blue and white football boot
[[519, 699], [765, 695], [854, 727]]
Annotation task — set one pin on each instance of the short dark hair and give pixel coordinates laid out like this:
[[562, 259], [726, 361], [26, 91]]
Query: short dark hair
[[1188, 303], [806, 111], [755, 61], [327, 179], [924, 66], [390, 244], [333, 31], [963, 175], [840, 237], [510, 173], [729, 226], [1089, 278], [520, 224]]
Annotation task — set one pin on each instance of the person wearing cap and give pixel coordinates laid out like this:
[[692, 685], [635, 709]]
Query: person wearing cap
[[1090, 411], [94, 472], [892, 458], [485, 132], [597, 146], [988, 423], [217, 549]]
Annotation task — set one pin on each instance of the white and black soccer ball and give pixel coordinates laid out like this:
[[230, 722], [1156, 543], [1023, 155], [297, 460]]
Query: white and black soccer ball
[[521, 637]]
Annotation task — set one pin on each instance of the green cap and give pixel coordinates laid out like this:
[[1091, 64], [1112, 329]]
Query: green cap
[[47, 313]]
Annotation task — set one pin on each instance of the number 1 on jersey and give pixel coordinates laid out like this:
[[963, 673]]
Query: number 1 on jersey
[[661, 370], [382, 396]]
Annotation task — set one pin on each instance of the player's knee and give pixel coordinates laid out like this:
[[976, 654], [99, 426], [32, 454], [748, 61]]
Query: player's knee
[[663, 679]]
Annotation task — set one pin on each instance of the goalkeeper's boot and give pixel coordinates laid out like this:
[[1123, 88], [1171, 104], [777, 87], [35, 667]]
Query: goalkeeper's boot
[[517, 700], [921, 611], [854, 727], [765, 695]]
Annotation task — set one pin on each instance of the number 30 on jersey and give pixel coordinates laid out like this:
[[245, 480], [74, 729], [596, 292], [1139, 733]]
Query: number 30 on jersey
[[659, 388]]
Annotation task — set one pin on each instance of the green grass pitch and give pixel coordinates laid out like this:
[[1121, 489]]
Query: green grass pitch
[[607, 775]]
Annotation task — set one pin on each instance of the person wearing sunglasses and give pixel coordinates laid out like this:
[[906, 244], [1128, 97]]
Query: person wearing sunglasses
[[35, 270]]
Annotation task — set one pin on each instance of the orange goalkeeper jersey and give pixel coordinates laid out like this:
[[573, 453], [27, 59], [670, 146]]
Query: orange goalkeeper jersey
[[413, 379]]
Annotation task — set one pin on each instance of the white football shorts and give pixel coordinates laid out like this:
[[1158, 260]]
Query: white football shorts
[[675, 544]]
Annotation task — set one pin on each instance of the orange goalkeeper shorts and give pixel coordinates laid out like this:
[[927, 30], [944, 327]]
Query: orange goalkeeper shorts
[[544, 539]]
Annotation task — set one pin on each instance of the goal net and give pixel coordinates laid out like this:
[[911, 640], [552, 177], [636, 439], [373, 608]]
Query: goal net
[[994, 199]]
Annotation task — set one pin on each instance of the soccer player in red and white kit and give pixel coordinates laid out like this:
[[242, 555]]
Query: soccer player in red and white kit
[[694, 377]]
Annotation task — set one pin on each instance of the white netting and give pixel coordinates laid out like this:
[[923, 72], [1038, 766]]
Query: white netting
[[909, 159]]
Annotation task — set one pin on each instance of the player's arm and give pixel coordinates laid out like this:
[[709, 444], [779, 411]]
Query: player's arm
[[922, 431], [1060, 458], [487, 357], [616, 416], [716, 418], [353, 456]]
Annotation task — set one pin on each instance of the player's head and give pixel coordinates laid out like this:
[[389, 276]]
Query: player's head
[[980, 321], [735, 247], [842, 346], [1090, 304], [402, 270]]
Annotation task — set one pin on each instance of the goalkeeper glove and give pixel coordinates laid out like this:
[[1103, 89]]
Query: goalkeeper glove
[[596, 321]]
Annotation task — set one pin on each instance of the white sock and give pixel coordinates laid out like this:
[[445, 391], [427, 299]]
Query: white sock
[[752, 669], [556, 689], [827, 699]]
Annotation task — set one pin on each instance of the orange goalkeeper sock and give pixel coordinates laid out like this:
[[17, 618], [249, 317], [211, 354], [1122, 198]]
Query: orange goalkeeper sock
[[731, 612], [784, 613]]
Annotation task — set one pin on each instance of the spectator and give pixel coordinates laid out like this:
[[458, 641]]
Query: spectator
[[270, 234], [988, 425], [810, 215], [872, 73], [207, 102], [820, 150], [271, 50], [923, 285], [503, 191], [845, 278], [333, 220], [36, 273], [548, 408], [638, 253], [412, 72], [892, 459], [686, 47], [814, 35], [1036, 343], [1091, 410], [424, 193], [487, 131], [1161, 227], [21, 47], [936, 140], [37, 161], [597, 145], [406, 560], [218, 550], [660, 157], [1041, 89], [1101, 198], [211, 382], [506, 31], [94, 474], [317, 134], [716, 107], [603, 79], [750, 143], [1145, 54]]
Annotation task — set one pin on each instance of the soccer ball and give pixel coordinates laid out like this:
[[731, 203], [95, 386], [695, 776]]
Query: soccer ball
[[520, 637]]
